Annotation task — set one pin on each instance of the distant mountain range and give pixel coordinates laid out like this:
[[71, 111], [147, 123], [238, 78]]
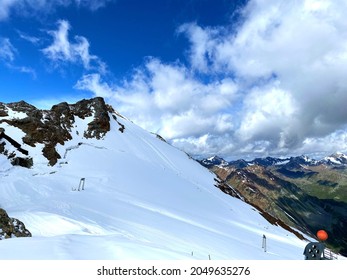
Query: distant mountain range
[[301, 192], [338, 159]]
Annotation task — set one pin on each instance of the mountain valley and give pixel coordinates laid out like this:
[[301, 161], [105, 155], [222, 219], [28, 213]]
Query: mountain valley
[[303, 193]]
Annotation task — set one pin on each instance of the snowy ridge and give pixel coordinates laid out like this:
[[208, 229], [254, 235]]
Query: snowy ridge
[[336, 159], [143, 199]]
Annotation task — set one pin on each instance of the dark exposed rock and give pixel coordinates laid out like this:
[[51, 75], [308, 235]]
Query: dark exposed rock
[[52, 127], [11, 227], [224, 187], [21, 106], [51, 154], [12, 141], [101, 123], [3, 111], [160, 137], [121, 126], [24, 162]]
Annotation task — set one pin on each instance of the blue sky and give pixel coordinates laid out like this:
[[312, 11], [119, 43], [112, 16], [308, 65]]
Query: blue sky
[[233, 78], [121, 33]]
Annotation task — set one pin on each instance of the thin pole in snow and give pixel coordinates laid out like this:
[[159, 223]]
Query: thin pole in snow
[[81, 185], [264, 243]]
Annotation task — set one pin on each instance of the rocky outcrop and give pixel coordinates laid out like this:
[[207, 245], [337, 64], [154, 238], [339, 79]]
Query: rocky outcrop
[[101, 123], [3, 111], [15, 160], [52, 127], [11, 227]]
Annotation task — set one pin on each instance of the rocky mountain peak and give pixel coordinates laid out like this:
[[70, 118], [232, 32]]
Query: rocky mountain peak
[[21, 106], [50, 127], [214, 160], [268, 161]]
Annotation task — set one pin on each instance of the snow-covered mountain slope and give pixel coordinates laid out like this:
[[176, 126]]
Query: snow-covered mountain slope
[[142, 199]]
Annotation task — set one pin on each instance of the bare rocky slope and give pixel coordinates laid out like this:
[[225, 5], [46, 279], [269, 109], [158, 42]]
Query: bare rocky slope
[[50, 127]]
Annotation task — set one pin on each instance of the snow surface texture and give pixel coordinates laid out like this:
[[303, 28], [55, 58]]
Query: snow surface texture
[[142, 199]]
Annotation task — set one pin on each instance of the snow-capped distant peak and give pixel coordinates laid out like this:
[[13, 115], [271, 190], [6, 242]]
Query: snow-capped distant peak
[[339, 155], [214, 160], [306, 158], [337, 158]]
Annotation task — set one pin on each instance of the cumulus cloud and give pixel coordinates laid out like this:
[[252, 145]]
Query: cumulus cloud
[[94, 83], [268, 115], [289, 57], [272, 83], [320, 146], [167, 99], [29, 8], [62, 50]]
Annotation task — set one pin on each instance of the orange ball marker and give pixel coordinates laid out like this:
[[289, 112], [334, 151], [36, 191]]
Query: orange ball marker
[[322, 235]]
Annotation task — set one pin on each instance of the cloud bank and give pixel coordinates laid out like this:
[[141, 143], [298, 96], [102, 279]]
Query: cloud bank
[[169, 100], [271, 83]]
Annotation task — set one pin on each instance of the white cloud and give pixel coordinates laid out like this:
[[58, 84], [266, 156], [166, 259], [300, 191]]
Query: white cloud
[[167, 99], [23, 69], [336, 141], [32, 39], [206, 145], [30, 8], [271, 84], [289, 60], [93, 83], [92, 5], [62, 50], [7, 56], [200, 45], [5, 7], [266, 111], [7, 50]]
